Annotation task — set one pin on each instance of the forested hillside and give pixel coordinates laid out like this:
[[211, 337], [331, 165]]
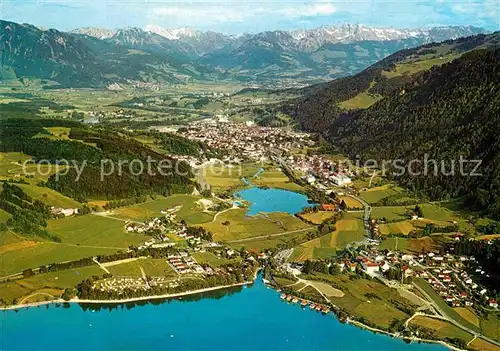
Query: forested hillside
[[322, 104], [81, 61], [447, 112], [88, 148]]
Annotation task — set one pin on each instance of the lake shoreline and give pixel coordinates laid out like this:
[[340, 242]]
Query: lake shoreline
[[380, 331], [124, 301], [200, 291]]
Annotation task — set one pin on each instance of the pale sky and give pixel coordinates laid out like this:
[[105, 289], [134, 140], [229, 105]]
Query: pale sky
[[233, 16]]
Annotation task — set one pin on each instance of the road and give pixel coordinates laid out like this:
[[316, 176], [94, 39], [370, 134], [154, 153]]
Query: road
[[100, 265], [444, 316], [366, 214]]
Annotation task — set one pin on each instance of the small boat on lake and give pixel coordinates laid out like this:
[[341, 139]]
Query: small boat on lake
[[295, 300], [283, 296], [303, 303]]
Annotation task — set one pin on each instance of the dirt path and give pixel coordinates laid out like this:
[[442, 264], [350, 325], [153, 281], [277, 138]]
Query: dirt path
[[101, 266], [223, 211], [34, 294]]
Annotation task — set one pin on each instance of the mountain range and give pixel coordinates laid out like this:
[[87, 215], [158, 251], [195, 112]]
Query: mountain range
[[99, 57]]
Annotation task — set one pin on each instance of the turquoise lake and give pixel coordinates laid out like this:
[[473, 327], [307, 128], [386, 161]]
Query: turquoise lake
[[273, 200], [249, 318]]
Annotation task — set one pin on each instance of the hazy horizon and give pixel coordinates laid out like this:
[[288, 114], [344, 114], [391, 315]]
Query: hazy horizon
[[236, 17]]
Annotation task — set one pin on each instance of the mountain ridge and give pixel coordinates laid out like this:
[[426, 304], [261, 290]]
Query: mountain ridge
[[439, 101], [93, 57]]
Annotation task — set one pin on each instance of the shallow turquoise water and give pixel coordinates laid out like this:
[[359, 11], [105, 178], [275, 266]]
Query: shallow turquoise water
[[250, 318], [273, 200]]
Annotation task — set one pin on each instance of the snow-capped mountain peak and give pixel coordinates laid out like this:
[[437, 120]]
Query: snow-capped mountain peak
[[100, 33], [172, 34]]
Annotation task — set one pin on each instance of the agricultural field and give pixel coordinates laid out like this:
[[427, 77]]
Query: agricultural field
[[320, 247], [433, 214], [424, 244], [56, 133], [191, 211], [12, 166], [234, 224], [317, 217], [95, 230], [356, 301], [438, 213], [351, 203], [9, 237], [392, 213], [377, 193], [410, 67], [401, 244], [482, 345], [490, 326], [150, 142], [261, 244], [49, 196], [326, 289], [210, 259], [45, 286], [44, 253], [274, 177], [441, 328], [348, 229], [360, 101], [404, 227], [152, 267], [450, 312], [14, 244], [221, 177], [285, 281], [468, 314]]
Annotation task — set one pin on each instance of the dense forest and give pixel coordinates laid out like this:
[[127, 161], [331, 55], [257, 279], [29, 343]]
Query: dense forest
[[426, 122], [487, 256], [93, 151], [230, 274], [450, 112], [318, 105], [28, 217]]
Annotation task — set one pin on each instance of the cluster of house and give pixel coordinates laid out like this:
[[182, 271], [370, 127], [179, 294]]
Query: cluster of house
[[320, 171], [375, 263], [154, 224], [183, 263], [445, 274], [248, 141], [118, 284], [158, 228], [57, 211], [97, 116]]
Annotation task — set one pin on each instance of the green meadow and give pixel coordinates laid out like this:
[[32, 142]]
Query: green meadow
[[94, 230]]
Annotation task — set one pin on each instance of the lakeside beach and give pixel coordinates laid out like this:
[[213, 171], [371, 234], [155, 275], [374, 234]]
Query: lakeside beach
[[128, 300], [216, 321]]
